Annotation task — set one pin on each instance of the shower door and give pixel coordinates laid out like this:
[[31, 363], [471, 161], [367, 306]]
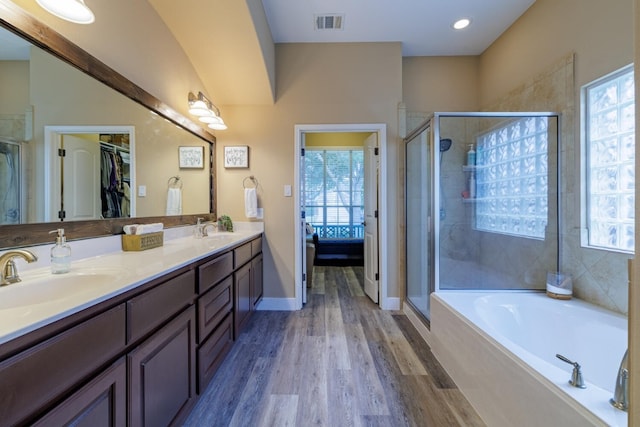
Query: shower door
[[10, 187], [419, 219]]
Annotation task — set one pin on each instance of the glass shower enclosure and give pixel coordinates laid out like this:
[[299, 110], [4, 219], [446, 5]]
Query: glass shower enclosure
[[482, 203], [10, 188]]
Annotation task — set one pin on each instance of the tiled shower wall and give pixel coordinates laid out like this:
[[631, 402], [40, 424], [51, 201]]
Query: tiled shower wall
[[599, 276]]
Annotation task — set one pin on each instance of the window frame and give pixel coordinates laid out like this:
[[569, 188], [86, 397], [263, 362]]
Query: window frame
[[585, 148], [350, 208]]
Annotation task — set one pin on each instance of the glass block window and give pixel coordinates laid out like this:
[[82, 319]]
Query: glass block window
[[610, 157], [512, 178], [334, 192]]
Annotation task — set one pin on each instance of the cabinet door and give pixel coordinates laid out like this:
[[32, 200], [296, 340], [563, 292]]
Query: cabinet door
[[162, 374], [100, 403], [242, 290], [30, 381], [256, 282]]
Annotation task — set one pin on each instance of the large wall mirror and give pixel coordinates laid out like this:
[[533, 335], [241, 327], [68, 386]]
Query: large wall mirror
[[79, 144]]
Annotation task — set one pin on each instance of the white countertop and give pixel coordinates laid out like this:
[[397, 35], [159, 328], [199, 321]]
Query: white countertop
[[104, 271]]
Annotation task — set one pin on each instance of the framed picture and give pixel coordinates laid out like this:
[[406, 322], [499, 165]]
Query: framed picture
[[191, 157], [236, 156]]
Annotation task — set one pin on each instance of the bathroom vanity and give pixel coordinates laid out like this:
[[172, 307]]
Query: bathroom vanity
[[142, 352]]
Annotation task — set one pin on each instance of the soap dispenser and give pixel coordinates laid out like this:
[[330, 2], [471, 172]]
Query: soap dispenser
[[471, 156], [60, 253]]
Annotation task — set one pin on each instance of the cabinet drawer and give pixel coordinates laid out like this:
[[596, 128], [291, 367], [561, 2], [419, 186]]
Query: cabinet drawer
[[156, 306], [256, 246], [213, 271], [212, 352], [34, 378], [242, 255], [214, 306]]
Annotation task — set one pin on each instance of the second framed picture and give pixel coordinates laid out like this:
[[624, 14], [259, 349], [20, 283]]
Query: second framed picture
[[236, 156]]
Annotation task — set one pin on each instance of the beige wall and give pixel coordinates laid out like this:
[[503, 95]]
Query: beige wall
[[336, 139], [317, 84], [14, 81], [442, 83], [599, 32]]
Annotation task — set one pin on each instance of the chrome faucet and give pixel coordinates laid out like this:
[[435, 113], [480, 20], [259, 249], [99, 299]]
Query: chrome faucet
[[8, 269], [620, 397], [576, 376]]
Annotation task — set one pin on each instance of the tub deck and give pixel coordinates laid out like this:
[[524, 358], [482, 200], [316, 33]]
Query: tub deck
[[500, 349]]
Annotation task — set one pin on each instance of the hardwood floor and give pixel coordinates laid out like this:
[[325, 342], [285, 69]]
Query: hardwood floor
[[340, 361]]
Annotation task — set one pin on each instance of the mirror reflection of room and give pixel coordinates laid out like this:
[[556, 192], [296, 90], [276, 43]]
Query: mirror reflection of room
[[32, 82]]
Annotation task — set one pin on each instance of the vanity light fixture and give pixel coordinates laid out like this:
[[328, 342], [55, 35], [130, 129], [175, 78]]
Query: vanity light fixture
[[70, 10], [206, 111], [461, 24]]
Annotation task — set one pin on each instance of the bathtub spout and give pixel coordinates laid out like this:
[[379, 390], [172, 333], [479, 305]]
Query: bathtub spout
[[621, 395]]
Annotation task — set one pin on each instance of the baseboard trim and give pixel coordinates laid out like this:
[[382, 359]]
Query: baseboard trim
[[390, 303], [277, 304]]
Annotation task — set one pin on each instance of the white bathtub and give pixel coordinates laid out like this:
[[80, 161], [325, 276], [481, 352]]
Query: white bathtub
[[500, 350]]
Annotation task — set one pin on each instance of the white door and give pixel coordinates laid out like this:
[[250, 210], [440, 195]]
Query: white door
[[371, 270], [80, 185], [303, 221]]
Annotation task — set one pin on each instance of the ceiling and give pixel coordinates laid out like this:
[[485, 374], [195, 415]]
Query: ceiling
[[231, 42], [424, 27], [225, 39]]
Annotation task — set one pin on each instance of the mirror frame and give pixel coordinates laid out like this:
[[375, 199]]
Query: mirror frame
[[16, 20]]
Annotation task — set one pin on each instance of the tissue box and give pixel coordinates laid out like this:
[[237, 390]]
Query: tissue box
[[141, 242]]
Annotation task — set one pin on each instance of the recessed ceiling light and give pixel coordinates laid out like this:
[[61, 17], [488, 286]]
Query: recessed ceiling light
[[461, 23]]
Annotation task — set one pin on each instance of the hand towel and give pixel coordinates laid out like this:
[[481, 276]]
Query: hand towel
[[250, 203], [130, 228], [174, 201], [149, 228]]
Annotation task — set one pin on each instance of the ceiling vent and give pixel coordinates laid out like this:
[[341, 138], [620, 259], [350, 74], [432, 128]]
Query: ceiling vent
[[329, 22]]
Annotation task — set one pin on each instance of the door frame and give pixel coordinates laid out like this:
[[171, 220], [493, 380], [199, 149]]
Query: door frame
[[52, 170], [383, 259]]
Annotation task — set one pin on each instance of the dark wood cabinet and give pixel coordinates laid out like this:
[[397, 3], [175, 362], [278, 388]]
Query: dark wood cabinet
[[212, 352], [139, 358], [100, 403], [162, 374], [149, 310], [37, 377], [256, 282], [242, 290]]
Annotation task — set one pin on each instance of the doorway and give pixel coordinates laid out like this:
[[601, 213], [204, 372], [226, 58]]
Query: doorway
[[373, 215], [77, 159]]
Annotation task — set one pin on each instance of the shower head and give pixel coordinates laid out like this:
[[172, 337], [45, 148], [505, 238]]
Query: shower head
[[445, 144]]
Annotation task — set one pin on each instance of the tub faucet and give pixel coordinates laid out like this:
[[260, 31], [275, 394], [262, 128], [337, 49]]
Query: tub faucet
[[620, 397], [576, 376], [8, 269]]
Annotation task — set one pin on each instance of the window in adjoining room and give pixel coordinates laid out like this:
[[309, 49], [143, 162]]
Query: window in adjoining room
[[512, 178], [609, 161], [334, 192]]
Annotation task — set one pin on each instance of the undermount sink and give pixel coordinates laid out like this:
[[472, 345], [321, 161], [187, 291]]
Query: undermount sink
[[43, 288]]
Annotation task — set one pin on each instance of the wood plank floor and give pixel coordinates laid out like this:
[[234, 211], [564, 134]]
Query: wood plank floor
[[340, 361]]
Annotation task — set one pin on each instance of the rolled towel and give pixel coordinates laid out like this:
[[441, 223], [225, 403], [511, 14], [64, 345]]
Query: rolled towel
[[130, 229], [250, 203], [149, 228], [174, 201]]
